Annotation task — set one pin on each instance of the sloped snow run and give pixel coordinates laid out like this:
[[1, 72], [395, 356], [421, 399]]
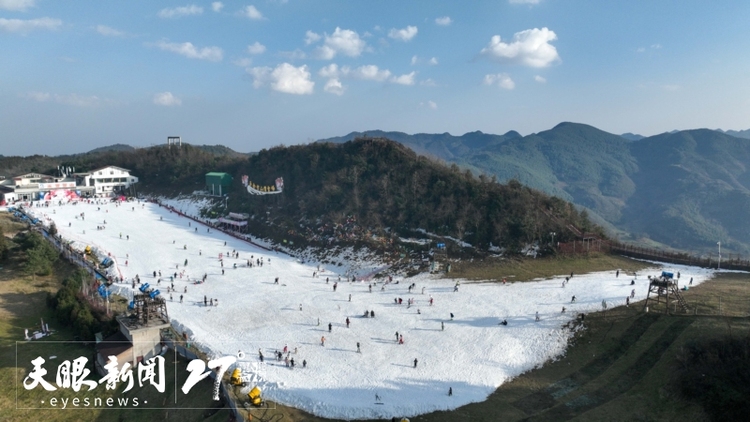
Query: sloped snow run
[[456, 341]]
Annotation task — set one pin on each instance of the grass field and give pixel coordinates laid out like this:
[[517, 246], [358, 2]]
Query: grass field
[[621, 367], [514, 269]]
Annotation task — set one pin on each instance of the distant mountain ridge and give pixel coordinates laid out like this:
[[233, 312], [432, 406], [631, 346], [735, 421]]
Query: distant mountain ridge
[[440, 145], [686, 189], [632, 136], [115, 147], [737, 133], [219, 150]]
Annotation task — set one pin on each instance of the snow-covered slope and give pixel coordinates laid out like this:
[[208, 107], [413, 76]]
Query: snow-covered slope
[[473, 354]]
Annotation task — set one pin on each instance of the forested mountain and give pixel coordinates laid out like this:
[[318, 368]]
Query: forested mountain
[[685, 189], [354, 192], [693, 188], [388, 189]]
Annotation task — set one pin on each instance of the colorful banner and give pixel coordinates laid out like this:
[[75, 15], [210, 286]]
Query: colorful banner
[[59, 194]]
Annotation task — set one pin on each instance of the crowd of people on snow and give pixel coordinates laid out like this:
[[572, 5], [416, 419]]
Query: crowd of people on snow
[[348, 230]]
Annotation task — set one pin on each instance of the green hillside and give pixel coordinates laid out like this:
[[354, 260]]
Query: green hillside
[[684, 189], [694, 189], [389, 190]]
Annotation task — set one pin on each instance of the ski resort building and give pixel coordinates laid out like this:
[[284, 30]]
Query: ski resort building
[[32, 186], [105, 181]]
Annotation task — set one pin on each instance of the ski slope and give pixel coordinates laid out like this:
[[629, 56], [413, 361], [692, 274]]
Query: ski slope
[[473, 355]]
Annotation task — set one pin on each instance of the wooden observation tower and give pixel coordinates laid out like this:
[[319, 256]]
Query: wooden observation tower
[[665, 288]]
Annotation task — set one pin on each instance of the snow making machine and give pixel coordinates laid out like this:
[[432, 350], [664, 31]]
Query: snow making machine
[[254, 396], [236, 378]]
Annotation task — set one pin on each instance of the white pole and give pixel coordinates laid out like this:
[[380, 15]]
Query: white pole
[[719, 266]]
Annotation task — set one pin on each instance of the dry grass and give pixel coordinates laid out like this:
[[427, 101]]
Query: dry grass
[[529, 269]]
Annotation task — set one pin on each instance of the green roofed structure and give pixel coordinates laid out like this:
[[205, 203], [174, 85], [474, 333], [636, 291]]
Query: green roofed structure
[[218, 183]]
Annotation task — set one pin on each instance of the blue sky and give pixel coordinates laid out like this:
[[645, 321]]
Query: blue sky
[[76, 75]]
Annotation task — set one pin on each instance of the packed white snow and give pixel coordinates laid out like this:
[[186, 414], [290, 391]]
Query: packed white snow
[[469, 352]]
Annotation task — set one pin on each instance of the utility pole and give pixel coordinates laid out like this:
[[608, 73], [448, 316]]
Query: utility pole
[[719, 266]]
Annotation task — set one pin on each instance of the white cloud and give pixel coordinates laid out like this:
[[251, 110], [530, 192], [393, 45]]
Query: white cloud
[[22, 26], [324, 53], [251, 12], [243, 62], [334, 86], [284, 78], [366, 73], [69, 99], [407, 79], [166, 99], [344, 41], [444, 21], [330, 71], [256, 48], [432, 105], [500, 79], [178, 12], [428, 82], [369, 73], [414, 60], [109, 32], [640, 50], [16, 5], [217, 6], [433, 61], [405, 34], [656, 46], [333, 73], [311, 37], [530, 47], [540, 79], [524, 1], [214, 54], [261, 75]]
